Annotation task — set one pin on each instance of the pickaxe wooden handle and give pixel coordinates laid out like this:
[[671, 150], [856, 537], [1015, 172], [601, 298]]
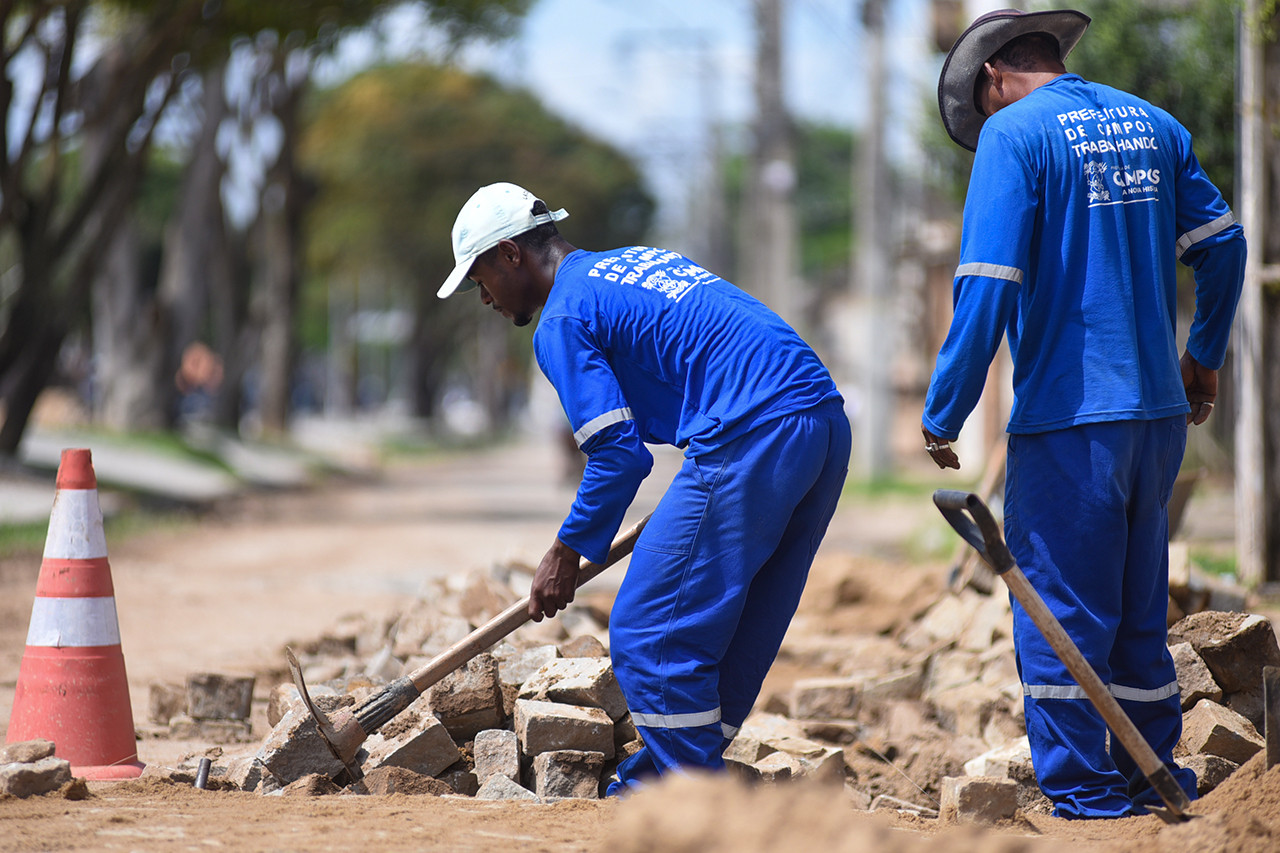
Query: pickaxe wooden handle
[[346, 729]]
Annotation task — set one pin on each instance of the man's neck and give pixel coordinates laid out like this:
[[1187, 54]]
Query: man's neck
[[557, 251], [1019, 84], [549, 264]]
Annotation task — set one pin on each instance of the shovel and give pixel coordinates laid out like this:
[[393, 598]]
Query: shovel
[[979, 529], [347, 729]]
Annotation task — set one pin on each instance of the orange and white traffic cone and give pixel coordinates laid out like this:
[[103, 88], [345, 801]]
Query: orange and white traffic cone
[[72, 688]]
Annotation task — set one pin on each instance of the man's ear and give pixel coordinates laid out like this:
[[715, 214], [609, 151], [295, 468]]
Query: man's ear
[[995, 75], [509, 252]]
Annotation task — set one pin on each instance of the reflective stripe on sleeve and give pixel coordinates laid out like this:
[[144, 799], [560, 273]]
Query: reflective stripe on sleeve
[[1012, 274], [599, 422], [1195, 235], [730, 732], [1120, 691], [676, 721], [62, 622]]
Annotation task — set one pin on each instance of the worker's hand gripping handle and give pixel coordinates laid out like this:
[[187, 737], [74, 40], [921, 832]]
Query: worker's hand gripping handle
[[976, 525]]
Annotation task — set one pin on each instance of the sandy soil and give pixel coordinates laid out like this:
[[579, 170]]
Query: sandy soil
[[227, 591]]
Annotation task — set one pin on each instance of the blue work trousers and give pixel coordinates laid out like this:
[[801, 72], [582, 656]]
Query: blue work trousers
[[714, 581], [1086, 518]]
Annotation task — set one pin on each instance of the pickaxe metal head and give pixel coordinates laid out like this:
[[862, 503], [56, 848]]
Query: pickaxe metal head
[[342, 734], [347, 729]]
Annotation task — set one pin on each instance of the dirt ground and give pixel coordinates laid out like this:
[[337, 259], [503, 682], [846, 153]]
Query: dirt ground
[[226, 591]]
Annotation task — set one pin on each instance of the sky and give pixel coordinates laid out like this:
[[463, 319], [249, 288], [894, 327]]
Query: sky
[[654, 77]]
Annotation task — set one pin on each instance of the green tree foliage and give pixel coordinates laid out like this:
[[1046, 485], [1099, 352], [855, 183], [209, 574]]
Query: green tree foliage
[[317, 24], [105, 71], [396, 151], [824, 204], [1180, 57], [947, 165], [823, 201]]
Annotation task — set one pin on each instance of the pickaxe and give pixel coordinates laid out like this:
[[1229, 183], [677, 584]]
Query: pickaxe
[[347, 729]]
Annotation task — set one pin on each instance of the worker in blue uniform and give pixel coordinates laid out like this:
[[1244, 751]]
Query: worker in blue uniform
[[1081, 200], [645, 346]]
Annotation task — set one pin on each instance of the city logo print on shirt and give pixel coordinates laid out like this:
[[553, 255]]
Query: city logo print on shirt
[[1113, 130], [1131, 183], [1095, 174], [632, 266]]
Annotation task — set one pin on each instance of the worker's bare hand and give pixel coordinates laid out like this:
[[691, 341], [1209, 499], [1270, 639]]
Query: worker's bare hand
[[1201, 384], [939, 450], [555, 581]]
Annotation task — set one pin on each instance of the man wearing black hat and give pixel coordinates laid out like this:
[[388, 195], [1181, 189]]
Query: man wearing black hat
[[1081, 199]]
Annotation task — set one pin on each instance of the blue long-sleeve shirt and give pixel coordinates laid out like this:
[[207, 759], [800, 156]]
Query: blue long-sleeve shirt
[[644, 346], [1081, 200]]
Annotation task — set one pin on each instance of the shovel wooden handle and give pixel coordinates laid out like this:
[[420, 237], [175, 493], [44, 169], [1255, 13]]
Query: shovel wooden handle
[[491, 632], [980, 530]]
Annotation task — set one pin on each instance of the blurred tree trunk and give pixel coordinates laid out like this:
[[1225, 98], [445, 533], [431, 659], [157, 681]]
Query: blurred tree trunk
[[430, 347], [496, 378], [234, 340], [142, 327], [196, 261], [60, 207], [341, 365], [63, 227], [283, 203], [127, 338]]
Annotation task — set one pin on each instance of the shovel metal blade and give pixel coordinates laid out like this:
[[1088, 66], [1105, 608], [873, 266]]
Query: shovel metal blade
[[971, 518]]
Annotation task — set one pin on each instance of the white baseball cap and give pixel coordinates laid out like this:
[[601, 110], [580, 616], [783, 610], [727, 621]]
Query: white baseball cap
[[492, 214]]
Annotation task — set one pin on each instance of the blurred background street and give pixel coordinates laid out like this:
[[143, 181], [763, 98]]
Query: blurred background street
[[222, 225]]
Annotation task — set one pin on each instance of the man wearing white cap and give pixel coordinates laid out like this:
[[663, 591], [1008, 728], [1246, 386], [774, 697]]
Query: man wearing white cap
[[1082, 198], [645, 346]]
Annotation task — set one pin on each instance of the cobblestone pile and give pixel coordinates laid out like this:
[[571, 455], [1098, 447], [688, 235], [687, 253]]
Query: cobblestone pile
[[926, 718]]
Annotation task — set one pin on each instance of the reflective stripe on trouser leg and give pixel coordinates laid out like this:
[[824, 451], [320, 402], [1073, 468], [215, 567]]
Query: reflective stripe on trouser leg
[[689, 580], [1069, 523], [1143, 660]]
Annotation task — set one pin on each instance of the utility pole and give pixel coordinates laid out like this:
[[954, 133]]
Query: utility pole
[[708, 207], [700, 230], [873, 270], [1257, 524], [769, 220]]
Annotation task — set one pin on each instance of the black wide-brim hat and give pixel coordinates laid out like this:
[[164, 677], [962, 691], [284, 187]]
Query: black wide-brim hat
[[977, 44]]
